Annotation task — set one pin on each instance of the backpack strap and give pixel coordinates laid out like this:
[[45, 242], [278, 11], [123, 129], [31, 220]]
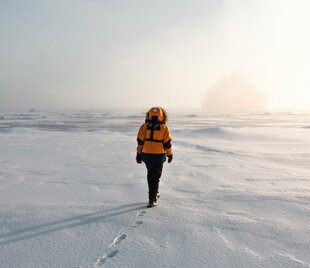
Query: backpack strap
[[153, 125]]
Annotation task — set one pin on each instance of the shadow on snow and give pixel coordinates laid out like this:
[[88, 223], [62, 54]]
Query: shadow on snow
[[54, 226]]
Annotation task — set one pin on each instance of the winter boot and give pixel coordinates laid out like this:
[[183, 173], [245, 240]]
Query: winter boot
[[152, 203]]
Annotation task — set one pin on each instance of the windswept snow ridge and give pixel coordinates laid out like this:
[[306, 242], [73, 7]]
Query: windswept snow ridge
[[237, 193]]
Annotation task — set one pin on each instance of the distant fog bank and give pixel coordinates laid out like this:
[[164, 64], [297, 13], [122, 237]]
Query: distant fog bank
[[234, 94]]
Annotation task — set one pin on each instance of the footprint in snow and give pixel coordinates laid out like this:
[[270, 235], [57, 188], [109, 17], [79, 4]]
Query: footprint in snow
[[119, 239], [141, 213], [102, 260], [135, 225]]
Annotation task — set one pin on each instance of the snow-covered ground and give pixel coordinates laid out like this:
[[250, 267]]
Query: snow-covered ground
[[237, 193]]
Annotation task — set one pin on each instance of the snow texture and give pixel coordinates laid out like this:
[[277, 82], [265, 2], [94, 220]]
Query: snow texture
[[237, 193]]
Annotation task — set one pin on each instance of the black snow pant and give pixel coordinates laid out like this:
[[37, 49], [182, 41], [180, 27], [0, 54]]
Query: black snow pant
[[153, 175]]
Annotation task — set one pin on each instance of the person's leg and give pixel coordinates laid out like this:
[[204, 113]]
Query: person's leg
[[153, 175]]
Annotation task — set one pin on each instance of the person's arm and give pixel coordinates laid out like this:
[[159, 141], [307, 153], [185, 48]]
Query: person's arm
[[168, 145], [140, 140]]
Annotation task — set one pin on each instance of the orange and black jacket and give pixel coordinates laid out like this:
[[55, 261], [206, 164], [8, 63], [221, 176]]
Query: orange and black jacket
[[154, 142]]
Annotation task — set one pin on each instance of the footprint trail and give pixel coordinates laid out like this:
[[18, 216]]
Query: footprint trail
[[117, 240]]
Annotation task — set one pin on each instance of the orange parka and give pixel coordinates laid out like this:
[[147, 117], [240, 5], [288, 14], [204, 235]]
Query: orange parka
[[153, 137]]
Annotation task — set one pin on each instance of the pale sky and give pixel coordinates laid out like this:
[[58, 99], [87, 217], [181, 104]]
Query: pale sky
[[99, 54]]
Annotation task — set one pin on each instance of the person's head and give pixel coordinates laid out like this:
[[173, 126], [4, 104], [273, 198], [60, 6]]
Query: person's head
[[157, 114]]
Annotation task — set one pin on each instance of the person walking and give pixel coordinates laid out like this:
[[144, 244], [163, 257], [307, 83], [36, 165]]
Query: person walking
[[154, 146]]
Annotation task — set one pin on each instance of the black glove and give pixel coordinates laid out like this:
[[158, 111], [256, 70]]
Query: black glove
[[139, 159], [170, 157]]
